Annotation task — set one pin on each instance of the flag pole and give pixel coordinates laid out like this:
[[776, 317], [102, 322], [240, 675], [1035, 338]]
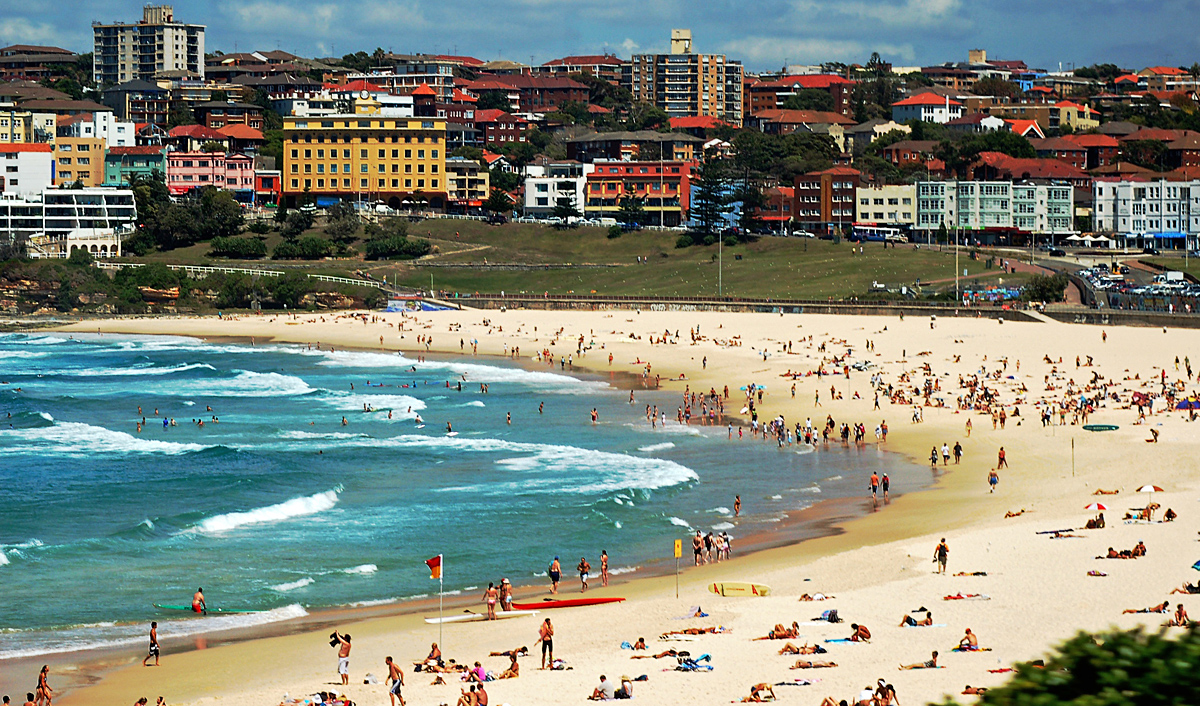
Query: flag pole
[[441, 593]]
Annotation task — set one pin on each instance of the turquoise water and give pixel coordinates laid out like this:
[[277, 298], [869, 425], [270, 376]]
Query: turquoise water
[[280, 507]]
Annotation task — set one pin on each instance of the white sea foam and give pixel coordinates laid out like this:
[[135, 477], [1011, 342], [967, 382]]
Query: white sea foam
[[623, 570], [101, 635], [671, 427], [680, 522], [246, 383], [722, 510], [618, 501], [361, 569], [777, 497], [131, 372], [296, 507], [657, 447], [336, 435], [397, 404], [76, 440], [475, 403], [3, 559], [616, 524], [833, 478], [383, 601], [723, 526], [46, 416], [810, 489], [292, 585]]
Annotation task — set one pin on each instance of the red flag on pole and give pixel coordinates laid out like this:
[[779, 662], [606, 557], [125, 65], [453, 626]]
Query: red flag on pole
[[435, 567]]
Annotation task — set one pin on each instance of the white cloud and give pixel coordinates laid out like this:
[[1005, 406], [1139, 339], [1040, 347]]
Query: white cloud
[[314, 20], [629, 46], [777, 50], [18, 30], [910, 13]]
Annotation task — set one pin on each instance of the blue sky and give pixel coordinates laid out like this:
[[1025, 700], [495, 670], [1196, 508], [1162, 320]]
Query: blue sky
[[763, 33]]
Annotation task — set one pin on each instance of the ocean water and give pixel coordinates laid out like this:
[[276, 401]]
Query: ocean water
[[281, 508]]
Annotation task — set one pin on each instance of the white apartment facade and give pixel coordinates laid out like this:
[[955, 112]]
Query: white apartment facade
[[104, 126], [123, 52], [56, 222], [929, 107], [988, 211], [893, 205], [25, 169], [1153, 212], [560, 180]]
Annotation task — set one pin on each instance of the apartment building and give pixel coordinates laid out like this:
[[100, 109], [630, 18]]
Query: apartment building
[[825, 199], [22, 125], [125, 51], [1147, 208], [103, 126], [605, 66], [770, 94], [365, 155], [219, 114], [994, 212], [635, 145], [25, 61], [557, 180], [139, 102], [468, 184], [929, 107], [684, 83], [405, 72], [55, 222], [498, 127], [663, 188], [124, 164], [188, 171], [893, 205], [79, 159], [27, 169]]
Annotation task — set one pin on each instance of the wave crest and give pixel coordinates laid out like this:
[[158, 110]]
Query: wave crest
[[296, 507]]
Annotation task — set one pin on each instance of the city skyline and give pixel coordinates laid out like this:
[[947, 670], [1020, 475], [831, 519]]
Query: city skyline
[[762, 35]]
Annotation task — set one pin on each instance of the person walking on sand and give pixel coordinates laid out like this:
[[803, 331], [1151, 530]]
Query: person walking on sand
[[874, 484], [933, 456], [546, 637], [940, 554], [44, 694], [1001, 459], [490, 596], [555, 573], [343, 656], [993, 480], [153, 645], [396, 677], [584, 568], [969, 428], [603, 568], [958, 452], [945, 453]]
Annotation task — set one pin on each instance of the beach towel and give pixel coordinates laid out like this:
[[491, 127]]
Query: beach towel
[[968, 597], [970, 649], [935, 625], [844, 640], [695, 612], [798, 682], [689, 664], [678, 638], [1069, 529]]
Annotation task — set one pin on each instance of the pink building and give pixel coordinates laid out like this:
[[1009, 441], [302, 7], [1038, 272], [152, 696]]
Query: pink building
[[194, 170]]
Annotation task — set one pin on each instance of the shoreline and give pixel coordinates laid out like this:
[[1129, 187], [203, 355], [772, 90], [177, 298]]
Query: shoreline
[[957, 507]]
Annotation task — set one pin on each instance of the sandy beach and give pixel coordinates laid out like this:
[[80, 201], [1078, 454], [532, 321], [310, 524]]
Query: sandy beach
[[878, 567]]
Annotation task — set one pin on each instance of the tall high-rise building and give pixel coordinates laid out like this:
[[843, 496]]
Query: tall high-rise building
[[123, 52], [684, 83]]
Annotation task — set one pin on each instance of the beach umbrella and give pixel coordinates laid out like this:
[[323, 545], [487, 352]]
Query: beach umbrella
[[1097, 507], [1149, 489]]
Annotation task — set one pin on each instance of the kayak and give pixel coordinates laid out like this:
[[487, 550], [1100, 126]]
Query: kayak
[[565, 603], [188, 609], [474, 617]]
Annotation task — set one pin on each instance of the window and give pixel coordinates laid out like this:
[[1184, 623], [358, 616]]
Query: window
[[308, 154], [64, 160], [420, 154], [294, 183], [294, 154]]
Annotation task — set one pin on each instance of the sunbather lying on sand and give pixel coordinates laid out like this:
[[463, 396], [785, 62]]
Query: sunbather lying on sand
[[514, 652], [1010, 513], [805, 649], [760, 693], [805, 664], [782, 633], [816, 597], [975, 689], [971, 573], [697, 631], [660, 655], [1101, 491], [960, 596], [927, 664], [909, 620], [1187, 588], [1164, 607]]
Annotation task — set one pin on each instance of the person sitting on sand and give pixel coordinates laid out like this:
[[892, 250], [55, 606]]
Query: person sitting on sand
[[1096, 522], [860, 634], [927, 664], [805, 649], [1139, 550], [969, 641], [640, 644], [438, 681], [806, 664], [604, 691], [1170, 515], [1188, 588], [468, 698], [1163, 607], [513, 671], [816, 597], [1180, 620], [782, 633], [759, 693], [908, 620], [514, 652], [974, 690]]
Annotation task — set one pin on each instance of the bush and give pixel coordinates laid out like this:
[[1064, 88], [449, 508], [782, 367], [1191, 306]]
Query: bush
[[80, 257], [139, 243], [614, 232], [1046, 288], [288, 289], [395, 247], [310, 247], [238, 248], [684, 241], [260, 227], [710, 239], [730, 241]]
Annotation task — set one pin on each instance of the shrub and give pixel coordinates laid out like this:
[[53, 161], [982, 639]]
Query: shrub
[[684, 241], [310, 247], [1046, 288], [260, 227], [238, 248], [395, 247], [710, 239], [614, 232]]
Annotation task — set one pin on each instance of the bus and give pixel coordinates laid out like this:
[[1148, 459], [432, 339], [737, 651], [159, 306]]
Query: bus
[[874, 232]]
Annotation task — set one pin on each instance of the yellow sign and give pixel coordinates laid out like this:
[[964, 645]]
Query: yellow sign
[[678, 548]]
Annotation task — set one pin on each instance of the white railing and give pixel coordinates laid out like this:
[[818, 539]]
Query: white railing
[[203, 270]]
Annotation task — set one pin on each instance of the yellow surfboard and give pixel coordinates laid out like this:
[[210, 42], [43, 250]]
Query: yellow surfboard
[[739, 588]]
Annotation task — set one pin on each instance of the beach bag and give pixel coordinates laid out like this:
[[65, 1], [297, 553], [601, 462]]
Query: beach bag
[[833, 616]]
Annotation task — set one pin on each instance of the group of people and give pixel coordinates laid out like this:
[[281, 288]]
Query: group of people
[[707, 548], [554, 573]]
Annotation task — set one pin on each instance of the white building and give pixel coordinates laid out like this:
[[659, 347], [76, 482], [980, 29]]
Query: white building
[[122, 52], [26, 169], [929, 107], [1164, 214], [59, 221], [101, 125], [560, 179], [993, 211], [893, 205]]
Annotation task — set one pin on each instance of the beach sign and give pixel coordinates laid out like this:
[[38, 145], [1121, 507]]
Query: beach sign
[[678, 548]]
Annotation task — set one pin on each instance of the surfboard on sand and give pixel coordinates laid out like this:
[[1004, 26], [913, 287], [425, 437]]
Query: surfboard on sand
[[470, 617], [211, 610], [739, 588], [1100, 427]]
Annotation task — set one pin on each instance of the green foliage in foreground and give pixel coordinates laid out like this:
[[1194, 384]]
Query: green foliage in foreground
[[1046, 288], [1109, 669]]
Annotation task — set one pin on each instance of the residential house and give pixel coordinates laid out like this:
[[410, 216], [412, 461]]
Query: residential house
[[950, 77], [644, 145], [906, 152], [468, 184], [1101, 149], [557, 180], [825, 199], [242, 138], [218, 114], [686, 83], [20, 125], [697, 125], [63, 107], [499, 127], [663, 188], [605, 66], [124, 51], [992, 166], [100, 125], [786, 122], [124, 164], [189, 171], [79, 160], [403, 73], [857, 137], [192, 138], [928, 107], [977, 123], [139, 101], [26, 61], [776, 210], [539, 94], [1063, 150], [28, 169], [365, 154], [771, 94], [890, 205]]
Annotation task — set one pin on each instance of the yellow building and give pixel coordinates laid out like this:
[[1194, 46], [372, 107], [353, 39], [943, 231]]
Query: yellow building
[[17, 126], [79, 159], [364, 156]]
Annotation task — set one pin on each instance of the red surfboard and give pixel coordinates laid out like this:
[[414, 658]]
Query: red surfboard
[[565, 603]]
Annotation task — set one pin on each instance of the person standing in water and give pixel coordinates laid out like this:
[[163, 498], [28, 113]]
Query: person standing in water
[[737, 506], [198, 604], [603, 568]]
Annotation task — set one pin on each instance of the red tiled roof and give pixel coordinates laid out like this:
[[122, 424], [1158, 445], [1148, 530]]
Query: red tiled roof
[[1040, 89], [462, 96], [972, 119], [1127, 77], [1165, 70], [1069, 104], [592, 59], [1024, 127], [494, 115], [1154, 133], [239, 131], [817, 117], [424, 90], [1056, 144], [1031, 168], [487, 83], [837, 171], [67, 120], [199, 132], [597, 109], [355, 86], [464, 60], [1092, 140], [927, 99], [812, 81], [139, 149], [696, 121], [24, 147]]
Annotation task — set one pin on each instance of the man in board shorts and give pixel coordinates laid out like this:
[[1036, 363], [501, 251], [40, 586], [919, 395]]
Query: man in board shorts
[[698, 547], [397, 678], [874, 483], [546, 637], [555, 572], [154, 652]]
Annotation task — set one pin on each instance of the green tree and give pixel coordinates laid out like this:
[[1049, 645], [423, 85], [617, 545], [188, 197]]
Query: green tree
[[710, 201], [493, 100], [498, 202], [295, 223], [810, 99], [565, 210], [997, 87], [180, 113], [643, 116], [752, 199], [288, 289], [342, 225], [1150, 154], [221, 215], [632, 211]]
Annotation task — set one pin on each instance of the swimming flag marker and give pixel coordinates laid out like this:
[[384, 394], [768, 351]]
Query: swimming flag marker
[[435, 572]]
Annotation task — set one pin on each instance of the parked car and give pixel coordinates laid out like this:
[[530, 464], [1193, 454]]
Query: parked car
[[1057, 252], [1150, 251]]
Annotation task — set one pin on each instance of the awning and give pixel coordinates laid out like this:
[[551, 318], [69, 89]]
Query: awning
[[1166, 236]]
